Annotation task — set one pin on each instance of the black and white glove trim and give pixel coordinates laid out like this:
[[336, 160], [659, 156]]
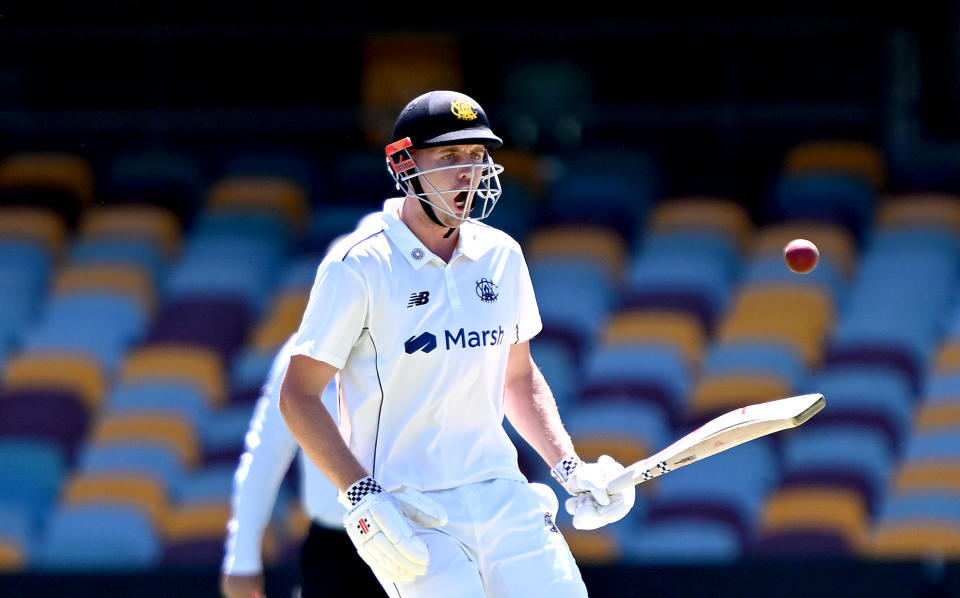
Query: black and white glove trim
[[361, 488], [562, 470]]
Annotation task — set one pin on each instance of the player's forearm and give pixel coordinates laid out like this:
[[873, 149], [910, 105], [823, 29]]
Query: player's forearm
[[532, 409], [314, 428]]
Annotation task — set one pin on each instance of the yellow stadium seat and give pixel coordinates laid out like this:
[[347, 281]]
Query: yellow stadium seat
[[916, 541], [140, 491], [398, 67], [168, 430], [12, 557], [928, 475], [39, 225], [188, 363], [703, 214], [597, 243], [680, 330], [274, 195], [296, 523], [282, 320], [834, 242], [526, 167], [839, 155], [156, 224], [934, 416], [822, 509], [920, 209], [725, 391], [198, 521], [78, 374], [53, 171], [595, 547], [799, 316], [127, 279], [624, 449], [948, 357]]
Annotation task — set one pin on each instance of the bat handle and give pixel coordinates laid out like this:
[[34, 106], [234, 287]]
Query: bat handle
[[622, 481]]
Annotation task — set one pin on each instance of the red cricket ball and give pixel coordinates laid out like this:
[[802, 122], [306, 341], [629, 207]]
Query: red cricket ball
[[801, 256]]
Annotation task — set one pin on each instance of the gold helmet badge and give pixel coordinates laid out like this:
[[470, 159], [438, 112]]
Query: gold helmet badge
[[463, 110]]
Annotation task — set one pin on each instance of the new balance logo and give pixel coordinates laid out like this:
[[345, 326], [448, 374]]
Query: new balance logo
[[421, 298], [426, 342]]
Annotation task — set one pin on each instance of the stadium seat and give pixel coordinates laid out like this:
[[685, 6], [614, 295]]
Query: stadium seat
[[707, 214], [31, 472], [17, 538], [124, 279], [813, 520], [836, 244], [112, 536], [262, 195], [281, 319], [61, 181], [160, 462], [153, 224], [899, 541], [684, 542], [839, 198], [920, 210], [720, 392], [153, 179], [36, 225], [141, 253], [678, 331], [56, 416], [601, 246], [839, 456], [847, 156], [56, 371], [193, 365], [133, 489], [209, 323], [649, 373], [757, 315], [165, 430]]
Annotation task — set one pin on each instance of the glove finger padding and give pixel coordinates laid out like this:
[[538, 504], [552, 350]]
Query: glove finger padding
[[420, 509], [384, 539]]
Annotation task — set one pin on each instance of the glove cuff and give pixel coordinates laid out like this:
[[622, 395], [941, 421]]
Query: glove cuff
[[361, 488], [565, 468]]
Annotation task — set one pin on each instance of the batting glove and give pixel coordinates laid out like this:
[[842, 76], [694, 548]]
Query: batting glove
[[378, 525], [592, 505]]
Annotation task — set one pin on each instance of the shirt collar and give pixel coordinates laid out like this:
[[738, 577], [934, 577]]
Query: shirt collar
[[416, 253]]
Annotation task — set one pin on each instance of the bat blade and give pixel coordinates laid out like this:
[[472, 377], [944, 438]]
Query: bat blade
[[721, 433]]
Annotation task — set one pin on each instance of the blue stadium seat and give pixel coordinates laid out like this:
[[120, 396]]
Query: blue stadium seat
[[559, 367], [756, 357], [683, 542], [98, 537], [853, 457], [843, 199], [922, 506], [31, 473], [140, 252], [208, 484], [942, 444], [159, 462], [872, 397], [646, 373], [180, 398]]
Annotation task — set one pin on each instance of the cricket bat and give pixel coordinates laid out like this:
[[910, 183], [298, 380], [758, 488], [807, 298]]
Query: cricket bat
[[721, 433]]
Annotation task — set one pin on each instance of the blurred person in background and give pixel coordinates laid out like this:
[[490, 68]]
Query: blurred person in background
[[329, 565]]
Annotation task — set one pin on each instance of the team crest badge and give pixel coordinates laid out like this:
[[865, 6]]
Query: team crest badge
[[487, 291], [463, 110]]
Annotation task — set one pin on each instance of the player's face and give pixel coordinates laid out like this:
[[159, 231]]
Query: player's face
[[452, 174]]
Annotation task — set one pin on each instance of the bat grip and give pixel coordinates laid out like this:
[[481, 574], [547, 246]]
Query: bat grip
[[621, 482]]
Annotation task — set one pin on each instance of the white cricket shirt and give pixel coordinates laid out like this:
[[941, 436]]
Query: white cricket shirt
[[422, 349]]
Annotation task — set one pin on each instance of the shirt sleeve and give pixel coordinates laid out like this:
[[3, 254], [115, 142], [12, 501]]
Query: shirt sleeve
[[335, 315], [528, 315], [269, 449]]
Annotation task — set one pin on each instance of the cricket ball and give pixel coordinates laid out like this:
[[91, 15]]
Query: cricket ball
[[801, 256]]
